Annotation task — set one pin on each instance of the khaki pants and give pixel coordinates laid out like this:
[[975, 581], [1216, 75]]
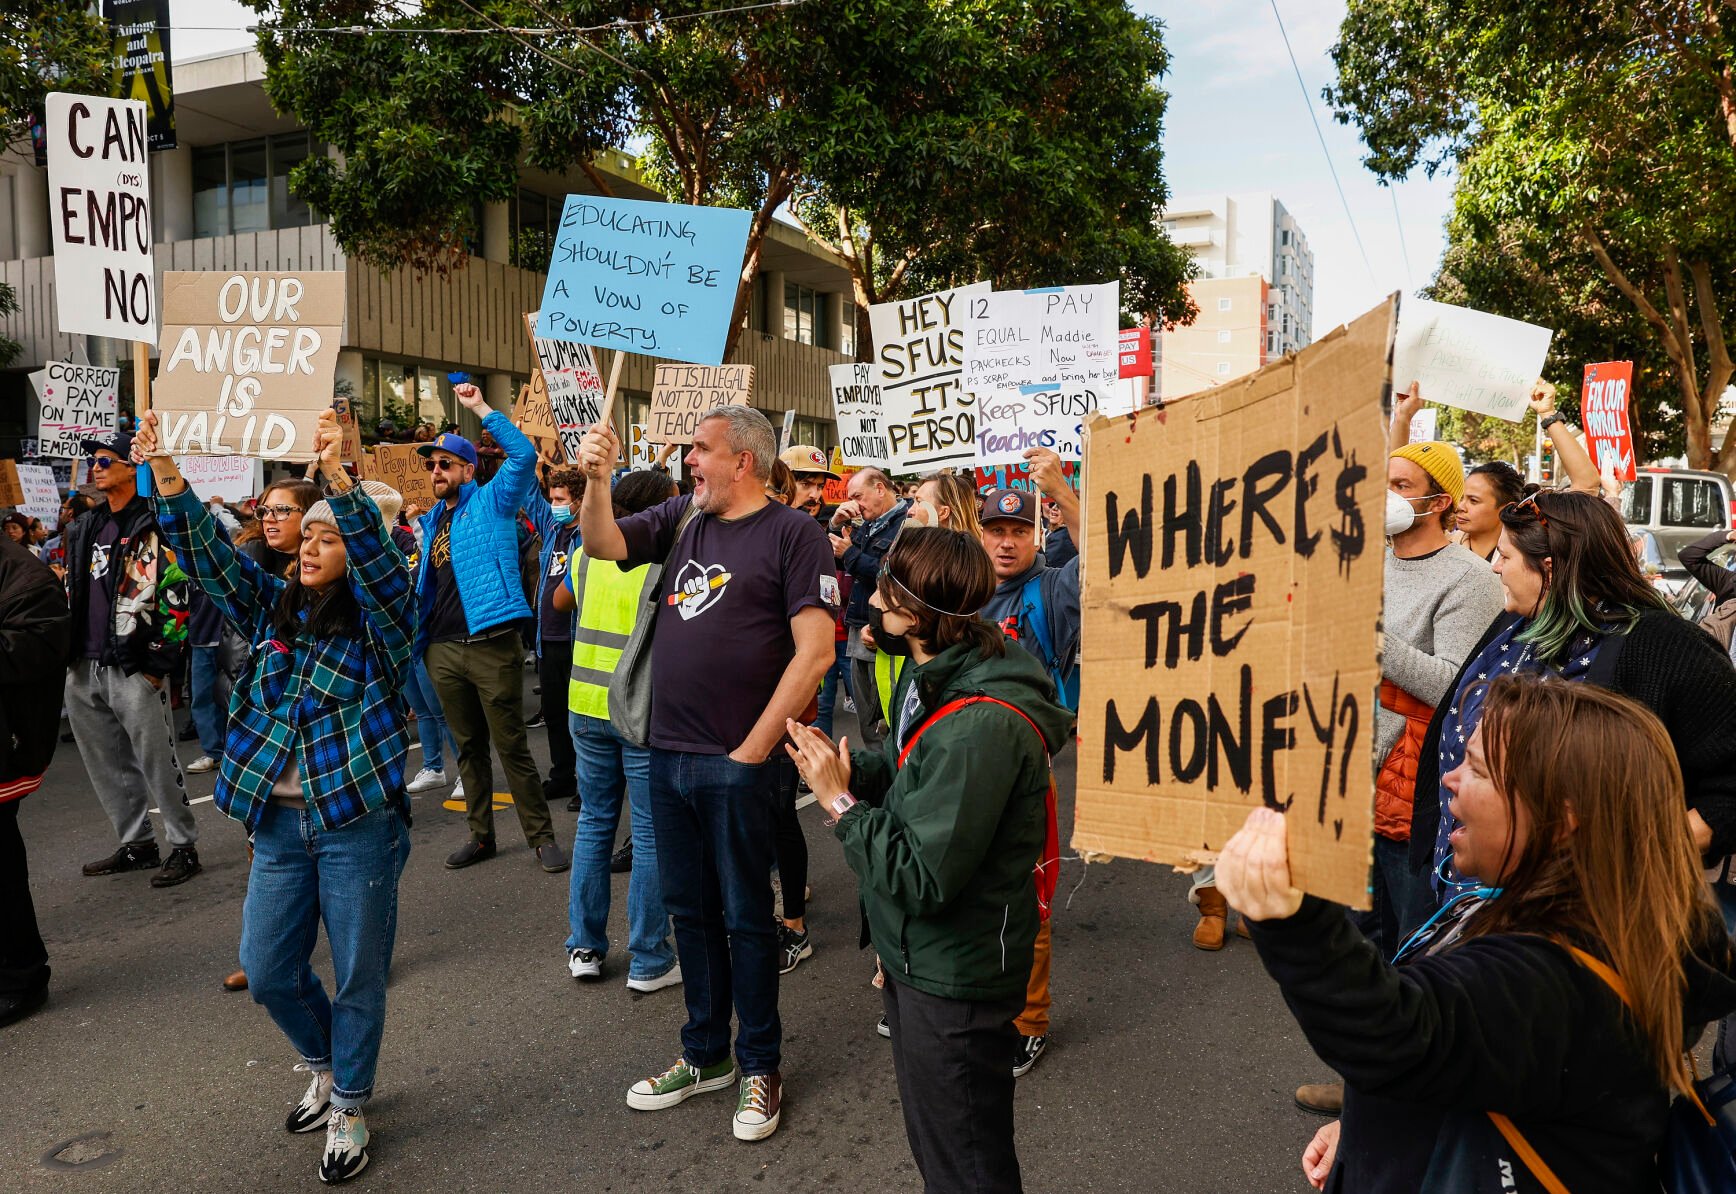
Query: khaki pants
[[481, 689], [1034, 1020]]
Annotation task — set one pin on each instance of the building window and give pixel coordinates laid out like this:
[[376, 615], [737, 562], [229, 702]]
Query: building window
[[534, 220], [804, 315], [1223, 335], [1284, 237], [1223, 368], [1223, 304], [847, 325], [243, 186], [821, 433]]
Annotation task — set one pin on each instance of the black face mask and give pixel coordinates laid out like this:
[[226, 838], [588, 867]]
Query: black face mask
[[892, 644]]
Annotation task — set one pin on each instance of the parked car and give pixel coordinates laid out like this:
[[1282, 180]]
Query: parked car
[[1677, 506]]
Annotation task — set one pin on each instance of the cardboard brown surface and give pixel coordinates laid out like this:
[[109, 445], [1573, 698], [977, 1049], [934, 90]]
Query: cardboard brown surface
[[248, 361], [1231, 647], [399, 466], [681, 394], [531, 413], [11, 486], [351, 452]]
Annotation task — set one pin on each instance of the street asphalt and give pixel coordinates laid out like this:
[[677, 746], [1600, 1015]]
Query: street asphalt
[[1169, 1069]]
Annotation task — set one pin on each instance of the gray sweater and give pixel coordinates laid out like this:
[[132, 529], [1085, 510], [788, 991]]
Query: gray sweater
[[1437, 607]]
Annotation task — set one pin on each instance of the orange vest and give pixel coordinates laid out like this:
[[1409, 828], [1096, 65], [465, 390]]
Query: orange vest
[[1396, 784]]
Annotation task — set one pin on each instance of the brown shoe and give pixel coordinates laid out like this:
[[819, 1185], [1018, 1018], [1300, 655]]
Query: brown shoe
[[236, 981], [1242, 928], [1323, 1098], [1209, 933]]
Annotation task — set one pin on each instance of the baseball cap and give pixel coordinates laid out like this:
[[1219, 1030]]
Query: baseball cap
[[806, 458], [118, 442], [1000, 505], [448, 441]]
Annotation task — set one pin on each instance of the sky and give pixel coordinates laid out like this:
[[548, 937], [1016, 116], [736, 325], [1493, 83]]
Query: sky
[[1237, 121]]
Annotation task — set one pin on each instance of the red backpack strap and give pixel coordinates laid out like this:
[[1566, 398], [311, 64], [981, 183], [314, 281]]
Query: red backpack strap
[[1048, 868]]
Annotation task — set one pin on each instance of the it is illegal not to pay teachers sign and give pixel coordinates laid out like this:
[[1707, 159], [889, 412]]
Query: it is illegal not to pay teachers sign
[[248, 362], [1232, 603]]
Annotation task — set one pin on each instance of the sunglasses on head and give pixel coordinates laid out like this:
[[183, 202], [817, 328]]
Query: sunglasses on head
[[1529, 504]]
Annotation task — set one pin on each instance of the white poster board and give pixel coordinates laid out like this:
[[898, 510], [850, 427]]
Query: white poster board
[[642, 452], [1425, 425], [1069, 334], [1469, 359], [41, 493], [99, 208], [918, 353], [860, 414], [232, 478], [75, 402], [1047, 415], [575, 387]]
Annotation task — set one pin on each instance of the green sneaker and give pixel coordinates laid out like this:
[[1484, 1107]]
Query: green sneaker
[[678, 1083]]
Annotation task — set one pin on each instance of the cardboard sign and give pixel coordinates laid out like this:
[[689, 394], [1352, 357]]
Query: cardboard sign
[[1017, 338], [1135, 352], [1469, 359], [1232, 605], [232, 478], [11, 488], [77, 401], [1603, 408], [918, 353], [99, 205], [531, 413], [681, 395], [655, 278], [141, 63], [861, 416], [399, 466], [1011, 422], [39, 494], [248, 362], [351, 452], [577, 396]]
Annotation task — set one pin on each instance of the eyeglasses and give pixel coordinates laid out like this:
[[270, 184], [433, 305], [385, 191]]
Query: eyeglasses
[[443, 465], [1529, 503], [100, 462], [276, 513]]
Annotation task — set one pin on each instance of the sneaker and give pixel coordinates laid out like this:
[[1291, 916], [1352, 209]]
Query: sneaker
[[849, 705], [181, 865], [201, 765], [884, 1028], [552, 858], [793, 946], [586, 964], [426, 780], [457, 791], [758, 1106], [135, 856], [1030, 1048], [346, 1150], [622, 860], [536, 723], [804, 795], [669, 978], [189, 734], [469, 854], [679, 1083], [315, 1106], [576, 804]]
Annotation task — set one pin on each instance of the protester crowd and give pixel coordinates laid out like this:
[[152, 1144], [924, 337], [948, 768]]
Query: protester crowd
[[1554, 753]]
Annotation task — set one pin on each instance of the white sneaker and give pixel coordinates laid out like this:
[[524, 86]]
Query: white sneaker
[[315, 1106], [585, 964], [426, 780], [669, 978], [457, 791], [201, 765], [346, 1149]]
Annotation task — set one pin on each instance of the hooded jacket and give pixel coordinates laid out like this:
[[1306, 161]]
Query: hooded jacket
[[147, 622], [943, 848], [1059, 588], [34, 627]]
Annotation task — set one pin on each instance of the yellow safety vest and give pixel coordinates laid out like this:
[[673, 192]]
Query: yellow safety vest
[[887, 670], [608, 600]]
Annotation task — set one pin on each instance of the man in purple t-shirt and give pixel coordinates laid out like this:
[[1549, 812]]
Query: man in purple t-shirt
[[742, 638]]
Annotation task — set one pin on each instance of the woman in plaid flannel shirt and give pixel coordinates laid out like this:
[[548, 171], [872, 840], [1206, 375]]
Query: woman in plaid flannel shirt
[[313, 765]]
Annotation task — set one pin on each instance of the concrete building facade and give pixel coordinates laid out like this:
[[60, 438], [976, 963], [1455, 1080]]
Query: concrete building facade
[[1237, 236]]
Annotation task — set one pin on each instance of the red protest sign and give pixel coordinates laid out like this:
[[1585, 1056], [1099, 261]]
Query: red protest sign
[[1603, 408], [1136, 352]]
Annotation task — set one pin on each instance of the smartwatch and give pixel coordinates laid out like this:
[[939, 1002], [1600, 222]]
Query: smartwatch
[[1551, 419], [842, 803]]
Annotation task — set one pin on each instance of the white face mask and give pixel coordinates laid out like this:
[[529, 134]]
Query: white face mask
[[1400, 516]]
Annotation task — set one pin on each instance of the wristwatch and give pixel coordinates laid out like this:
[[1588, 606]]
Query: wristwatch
[[1551, 419], [842, 803]]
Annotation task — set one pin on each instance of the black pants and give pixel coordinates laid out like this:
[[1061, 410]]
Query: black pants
[[792, 847], [954, 1059], [554, 670], [23, 960]]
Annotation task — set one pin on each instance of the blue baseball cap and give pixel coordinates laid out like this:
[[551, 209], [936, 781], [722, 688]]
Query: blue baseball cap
[[446, 441]]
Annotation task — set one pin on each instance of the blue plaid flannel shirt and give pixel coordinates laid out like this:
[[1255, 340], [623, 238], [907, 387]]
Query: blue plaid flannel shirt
[[335, 705]]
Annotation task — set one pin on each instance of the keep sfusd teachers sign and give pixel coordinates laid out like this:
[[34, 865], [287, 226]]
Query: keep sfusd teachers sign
[[248, 362], [1232, 602]]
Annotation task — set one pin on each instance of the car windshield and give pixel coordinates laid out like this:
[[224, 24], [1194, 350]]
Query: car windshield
[[1636, 502], [1693, 502]]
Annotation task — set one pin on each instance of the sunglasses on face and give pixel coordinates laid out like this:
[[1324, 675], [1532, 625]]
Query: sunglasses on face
[[101, 462], [445, 466], [277, 513]]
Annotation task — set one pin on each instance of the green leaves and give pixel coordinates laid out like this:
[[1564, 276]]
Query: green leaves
[[47, 45]]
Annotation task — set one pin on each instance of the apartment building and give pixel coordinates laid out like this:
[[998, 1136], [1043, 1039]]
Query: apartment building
[[222, 201]]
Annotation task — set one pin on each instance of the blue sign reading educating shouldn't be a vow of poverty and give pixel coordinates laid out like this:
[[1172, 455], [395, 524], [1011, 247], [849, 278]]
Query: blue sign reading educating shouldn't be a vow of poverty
[[652, 278]]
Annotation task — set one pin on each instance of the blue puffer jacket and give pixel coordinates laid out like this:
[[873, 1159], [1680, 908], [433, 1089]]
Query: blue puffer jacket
[[484, 539]]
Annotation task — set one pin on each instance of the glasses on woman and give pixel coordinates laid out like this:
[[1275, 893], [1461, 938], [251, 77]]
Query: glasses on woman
[[1527, 505], [276, 513]]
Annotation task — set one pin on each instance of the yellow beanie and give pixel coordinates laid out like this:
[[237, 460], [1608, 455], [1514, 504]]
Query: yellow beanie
[[1440, 462]]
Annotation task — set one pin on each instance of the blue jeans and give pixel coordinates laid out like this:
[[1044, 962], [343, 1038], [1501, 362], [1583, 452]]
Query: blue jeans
[[837, 678], [347, 878], [716, 823], [210, 711], [430, 719], [607, 768]]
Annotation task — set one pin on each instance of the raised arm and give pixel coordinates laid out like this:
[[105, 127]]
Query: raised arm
[[598, 453], [1582, 474], [1051, 479], [1694, 557], [516, 480], [375, 569], [1404, 409]]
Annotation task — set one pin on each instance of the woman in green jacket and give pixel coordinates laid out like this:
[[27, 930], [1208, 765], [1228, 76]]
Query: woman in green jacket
[[950, 832]]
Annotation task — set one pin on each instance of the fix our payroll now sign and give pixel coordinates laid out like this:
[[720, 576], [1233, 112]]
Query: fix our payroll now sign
[[1603, 408]]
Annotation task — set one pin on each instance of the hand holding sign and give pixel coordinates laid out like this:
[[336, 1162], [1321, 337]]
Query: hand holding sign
[[599, 452], [1254, 868]]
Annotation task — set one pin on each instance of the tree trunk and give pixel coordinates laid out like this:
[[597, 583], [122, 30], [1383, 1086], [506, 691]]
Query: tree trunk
[[778, 190]]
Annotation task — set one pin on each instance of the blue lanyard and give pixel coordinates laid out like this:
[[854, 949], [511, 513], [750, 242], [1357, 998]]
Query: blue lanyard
[[1485, 893]]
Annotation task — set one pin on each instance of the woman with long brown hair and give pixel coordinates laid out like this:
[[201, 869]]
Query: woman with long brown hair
[[1530, 1035]]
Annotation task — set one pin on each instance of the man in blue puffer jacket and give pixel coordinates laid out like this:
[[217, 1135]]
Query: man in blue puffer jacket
[[471, 604]]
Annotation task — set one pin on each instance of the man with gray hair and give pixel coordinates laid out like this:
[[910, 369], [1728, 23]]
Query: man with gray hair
[[743, 635]]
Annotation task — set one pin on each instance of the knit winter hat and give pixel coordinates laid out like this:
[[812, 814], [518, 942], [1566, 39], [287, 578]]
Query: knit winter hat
[[389, 500], [1440, 461]]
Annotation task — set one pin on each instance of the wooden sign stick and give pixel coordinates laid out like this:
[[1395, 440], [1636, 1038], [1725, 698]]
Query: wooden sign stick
[[142, 401]]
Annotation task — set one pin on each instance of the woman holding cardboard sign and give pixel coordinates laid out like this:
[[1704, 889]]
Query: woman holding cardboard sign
[[1530, 1036], [313, 765]]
